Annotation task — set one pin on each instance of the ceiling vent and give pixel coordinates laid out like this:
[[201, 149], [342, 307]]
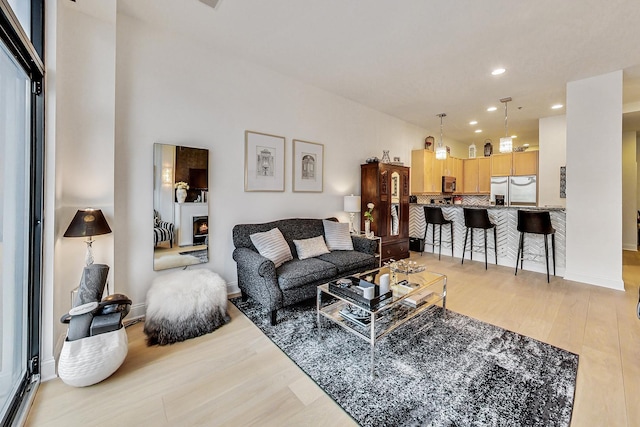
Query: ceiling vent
[[210, 3]]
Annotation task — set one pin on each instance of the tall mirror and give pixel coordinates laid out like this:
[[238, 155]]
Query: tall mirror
[[180, 206], [395, 204]]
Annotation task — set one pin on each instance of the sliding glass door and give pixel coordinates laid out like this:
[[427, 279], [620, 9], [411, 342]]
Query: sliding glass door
[[14, 236], [21, 184]]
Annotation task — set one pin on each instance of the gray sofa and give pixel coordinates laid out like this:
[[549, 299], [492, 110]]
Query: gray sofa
[[295, 280]]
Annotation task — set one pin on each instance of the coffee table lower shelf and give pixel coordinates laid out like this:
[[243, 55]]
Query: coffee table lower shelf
[[374, 324]]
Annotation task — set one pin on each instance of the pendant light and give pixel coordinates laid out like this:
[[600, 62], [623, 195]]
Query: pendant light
[[441, 150], [506, 143]]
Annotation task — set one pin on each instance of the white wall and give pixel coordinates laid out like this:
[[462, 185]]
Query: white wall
[[80, 118], [594, 181], [552, 155], [173, 91], [629, 191]]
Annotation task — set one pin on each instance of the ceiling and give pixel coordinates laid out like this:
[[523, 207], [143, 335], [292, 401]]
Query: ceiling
[[416, 58]]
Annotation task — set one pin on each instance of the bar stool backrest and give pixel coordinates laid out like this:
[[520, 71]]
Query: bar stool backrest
[[477, 218], [536, 222], [433, 215]]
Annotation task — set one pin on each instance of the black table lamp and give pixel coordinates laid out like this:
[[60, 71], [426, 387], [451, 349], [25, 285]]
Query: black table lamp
[[87, 223]]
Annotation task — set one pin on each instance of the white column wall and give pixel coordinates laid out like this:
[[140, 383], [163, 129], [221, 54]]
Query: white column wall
[[552, 155], [629, 184], [594, 181], [80, 129]]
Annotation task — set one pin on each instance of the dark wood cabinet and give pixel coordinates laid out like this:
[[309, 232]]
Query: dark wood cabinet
[[387, 187]]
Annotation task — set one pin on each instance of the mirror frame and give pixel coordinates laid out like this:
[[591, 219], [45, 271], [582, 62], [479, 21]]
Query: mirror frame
[[181, 229]]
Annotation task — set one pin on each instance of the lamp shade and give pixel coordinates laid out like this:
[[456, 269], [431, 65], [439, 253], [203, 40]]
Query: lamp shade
[[86, 223], [352, 203]]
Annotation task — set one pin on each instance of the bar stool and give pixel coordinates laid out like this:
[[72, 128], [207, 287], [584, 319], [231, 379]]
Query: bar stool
[[434, 216], [479, 218], [536, 222]]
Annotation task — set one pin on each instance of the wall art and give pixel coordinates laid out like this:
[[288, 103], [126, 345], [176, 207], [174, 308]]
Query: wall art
[[308, 166], [263, 162]]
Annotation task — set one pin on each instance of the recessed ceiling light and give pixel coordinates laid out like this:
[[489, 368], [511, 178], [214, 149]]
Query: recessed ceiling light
[[473, 122], [525, 145], [498, 71], [478, 130], [557, 106], [492, 108], [514, 136]]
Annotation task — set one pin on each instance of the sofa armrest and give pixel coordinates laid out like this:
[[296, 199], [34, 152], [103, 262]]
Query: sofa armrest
[[257, 278], [362, 244]]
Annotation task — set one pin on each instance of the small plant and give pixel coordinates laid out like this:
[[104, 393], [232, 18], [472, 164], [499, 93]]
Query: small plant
[[182, 185], [368, 214]]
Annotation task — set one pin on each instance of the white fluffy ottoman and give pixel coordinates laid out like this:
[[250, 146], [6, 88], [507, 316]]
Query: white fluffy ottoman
[[185, 304]]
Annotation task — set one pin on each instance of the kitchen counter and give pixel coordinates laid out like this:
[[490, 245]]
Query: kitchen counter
[[528, 208], [506, 220]]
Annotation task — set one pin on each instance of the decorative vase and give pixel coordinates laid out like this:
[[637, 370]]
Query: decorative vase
[[428, 142], [472, 151], [488, 148], [385, 157], [181, 195], [367, 228]]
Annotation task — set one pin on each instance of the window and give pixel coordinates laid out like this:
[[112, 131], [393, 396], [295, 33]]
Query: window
[[21, 148]]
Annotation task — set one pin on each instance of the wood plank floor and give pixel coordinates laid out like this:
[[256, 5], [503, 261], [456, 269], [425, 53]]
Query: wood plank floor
[[238, 377]]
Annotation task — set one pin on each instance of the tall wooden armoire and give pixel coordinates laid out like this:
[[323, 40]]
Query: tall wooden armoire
[[387, 187]]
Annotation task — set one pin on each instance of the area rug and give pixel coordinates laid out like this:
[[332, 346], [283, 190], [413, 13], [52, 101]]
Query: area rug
[[433, 371]]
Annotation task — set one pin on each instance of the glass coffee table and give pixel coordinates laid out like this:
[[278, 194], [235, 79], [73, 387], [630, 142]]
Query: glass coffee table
[[372, 314]]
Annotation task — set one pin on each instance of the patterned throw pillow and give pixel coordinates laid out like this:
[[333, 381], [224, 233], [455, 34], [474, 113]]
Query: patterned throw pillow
[[337, 235], [272, 245], [309, 248]]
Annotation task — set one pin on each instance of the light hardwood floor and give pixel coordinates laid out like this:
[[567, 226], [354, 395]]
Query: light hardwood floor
[[238, 377]]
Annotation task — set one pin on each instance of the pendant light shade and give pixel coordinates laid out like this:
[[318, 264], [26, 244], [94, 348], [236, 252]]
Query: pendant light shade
[[506, 143], [441, 150]]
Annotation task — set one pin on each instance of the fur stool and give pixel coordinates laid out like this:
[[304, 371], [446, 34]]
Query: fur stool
[[185, 304]]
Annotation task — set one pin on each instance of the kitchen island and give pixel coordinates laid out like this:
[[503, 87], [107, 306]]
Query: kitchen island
[[506, 220]]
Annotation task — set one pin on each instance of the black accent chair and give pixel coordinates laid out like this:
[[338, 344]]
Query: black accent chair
[[536, 222], [434, 216], [479, 218]]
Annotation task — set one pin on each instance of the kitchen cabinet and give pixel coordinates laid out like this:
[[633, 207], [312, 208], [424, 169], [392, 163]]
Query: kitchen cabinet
[[525, 163], [517, 163], [387, 187], [477, 176], [427, 172], [501, 164]]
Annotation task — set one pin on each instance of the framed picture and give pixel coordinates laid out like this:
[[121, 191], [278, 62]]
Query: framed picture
[[263, 162], [308, 166]]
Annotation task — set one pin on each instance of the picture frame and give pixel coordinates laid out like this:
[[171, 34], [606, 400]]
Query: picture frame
[[264, 157], [308, 166]]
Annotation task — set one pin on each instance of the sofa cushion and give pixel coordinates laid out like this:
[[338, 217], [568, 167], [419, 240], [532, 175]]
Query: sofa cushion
[[309, 248], [299, 272], [271, 244], [337, 235], [345, 261]]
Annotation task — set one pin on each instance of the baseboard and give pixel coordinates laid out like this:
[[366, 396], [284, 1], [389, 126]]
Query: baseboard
[[232, 288], [137, 311], [48, 369], [629, 247], [604, 282]]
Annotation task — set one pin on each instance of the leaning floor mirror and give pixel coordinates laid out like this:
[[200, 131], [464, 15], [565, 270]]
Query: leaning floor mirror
[[180, 206]]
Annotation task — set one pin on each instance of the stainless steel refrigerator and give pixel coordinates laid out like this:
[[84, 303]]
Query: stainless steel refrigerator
[[517, 190]]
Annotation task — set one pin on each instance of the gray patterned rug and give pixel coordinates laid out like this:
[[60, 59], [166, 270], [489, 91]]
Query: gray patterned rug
[[433, 371]]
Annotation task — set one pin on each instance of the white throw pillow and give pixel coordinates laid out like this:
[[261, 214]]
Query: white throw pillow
[[337, 235], [272, 245], [309, 248]]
